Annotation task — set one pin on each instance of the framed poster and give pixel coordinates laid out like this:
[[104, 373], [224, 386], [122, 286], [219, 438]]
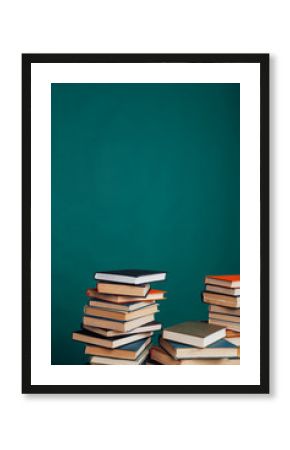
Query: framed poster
[[145, 202]]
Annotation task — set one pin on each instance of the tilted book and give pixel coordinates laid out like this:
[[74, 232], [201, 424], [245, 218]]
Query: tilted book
[[198, 334], [128, 351], [116, 325], [89, 337]]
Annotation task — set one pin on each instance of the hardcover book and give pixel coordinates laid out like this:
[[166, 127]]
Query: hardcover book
[[120, 315], [115, 325], [123, 289], [131, 276], [151, 326], [234, 340], [229, 281], [232, 334], [224, 310], [226, 317], [221, 300], [89, 337], [125, 307], [153, 294], [162, 357], [219, 349], [198, 334], [223, 323], [222, 290], [103, 360], [128, 351]]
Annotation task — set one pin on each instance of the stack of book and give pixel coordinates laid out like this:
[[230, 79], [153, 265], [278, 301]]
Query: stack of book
[[222, 294], [195, 343], [119, 319]]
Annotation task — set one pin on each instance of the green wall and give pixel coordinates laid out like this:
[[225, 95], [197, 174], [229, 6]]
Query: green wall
[[143, 176]]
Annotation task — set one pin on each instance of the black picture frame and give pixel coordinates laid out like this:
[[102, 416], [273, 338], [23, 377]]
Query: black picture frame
[[27, 60]]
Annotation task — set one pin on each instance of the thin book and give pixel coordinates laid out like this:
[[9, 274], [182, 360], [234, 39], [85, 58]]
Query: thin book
[[131, 276]]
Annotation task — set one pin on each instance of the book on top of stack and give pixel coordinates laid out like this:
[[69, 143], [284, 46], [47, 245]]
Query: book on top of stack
[[119, 319], [195, 343], [222, 294]]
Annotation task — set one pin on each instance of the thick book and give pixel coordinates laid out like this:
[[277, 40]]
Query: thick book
[[89, 337], [223, 323], [103, 360], [120, 315], [229, 281], [153, 294], [221, 300], [224, 310], [226, 317], [162, 357], [198, 334], [222, 290], [125, 307], [116, 325], [151, 326], [220, 349], [128, 351], [131, 276], [123, 289]]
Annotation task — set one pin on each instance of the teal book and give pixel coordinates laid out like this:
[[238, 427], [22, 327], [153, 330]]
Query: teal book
[[219, 349], [90, 337], [129, 351]]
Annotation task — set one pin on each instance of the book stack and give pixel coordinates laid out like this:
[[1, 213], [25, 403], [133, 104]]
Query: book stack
[[222, 294], [195, 343], [119, 319]]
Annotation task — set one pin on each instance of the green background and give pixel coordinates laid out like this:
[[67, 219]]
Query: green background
[[143, 176]]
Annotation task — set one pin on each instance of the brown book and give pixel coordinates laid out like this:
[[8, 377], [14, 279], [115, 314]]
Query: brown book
[[151, 326], [162, 357], [123, 289], [126, 307], [222, 290], [153, 294], [229, 281], [226, 317], [224, 310], [220, 349], [120, 315], [103, 360], [232, 334], [221, 300], [197, 334], [115, 325], [129, 351], [89, 337], [223, 323], [233, 337]]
